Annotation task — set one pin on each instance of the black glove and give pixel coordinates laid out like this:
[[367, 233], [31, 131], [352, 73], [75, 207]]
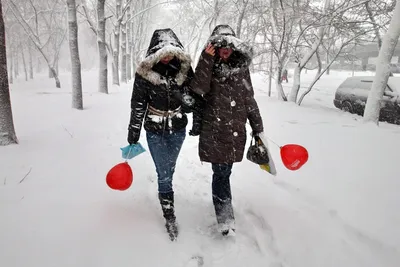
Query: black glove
[[133, 137], [256, 136], [188, 100], [196, 129]]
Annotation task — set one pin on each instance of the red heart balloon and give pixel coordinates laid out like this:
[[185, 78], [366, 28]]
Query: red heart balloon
[[120, 177], [294, 156]]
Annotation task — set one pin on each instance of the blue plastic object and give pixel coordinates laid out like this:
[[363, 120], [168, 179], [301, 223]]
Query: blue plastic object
[[131, 151]]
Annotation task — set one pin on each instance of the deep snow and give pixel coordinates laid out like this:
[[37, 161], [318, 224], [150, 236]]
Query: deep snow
[[340, 209]]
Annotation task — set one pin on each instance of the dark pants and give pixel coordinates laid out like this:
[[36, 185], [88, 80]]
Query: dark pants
[[221, 191], [164, 150]]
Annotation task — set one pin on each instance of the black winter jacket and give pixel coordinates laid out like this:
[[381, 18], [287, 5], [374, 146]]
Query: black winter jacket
[[159, 88]]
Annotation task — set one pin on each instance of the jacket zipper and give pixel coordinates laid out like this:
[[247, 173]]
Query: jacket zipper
[[166, 117]]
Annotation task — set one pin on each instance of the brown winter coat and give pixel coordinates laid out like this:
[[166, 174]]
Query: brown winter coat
[[229, 100]]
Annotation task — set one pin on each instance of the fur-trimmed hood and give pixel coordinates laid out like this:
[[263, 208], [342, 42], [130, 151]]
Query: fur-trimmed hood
[[224, 36], [164, 42]]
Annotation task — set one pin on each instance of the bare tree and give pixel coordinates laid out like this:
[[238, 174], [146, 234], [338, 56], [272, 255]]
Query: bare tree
[[373, 15], [77, 101], [24, 61], [282, 31], [129, 42], [375, 25], [301, 62], [7, 130], [373, 107], [51, 32], [343, 45], [101, 40], [124, 78], [127, 14], [11, 70], [332, 15], [116, 35], [140, 25], [119, 29], [30, 60], [241, 17]]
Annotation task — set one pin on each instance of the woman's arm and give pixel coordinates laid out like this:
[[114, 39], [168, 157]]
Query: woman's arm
[[139, 102], [201, 82], [253, 112]]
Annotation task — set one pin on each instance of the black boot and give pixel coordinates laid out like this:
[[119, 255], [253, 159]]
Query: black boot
[[225, 215], [222, 198], [167, 206]]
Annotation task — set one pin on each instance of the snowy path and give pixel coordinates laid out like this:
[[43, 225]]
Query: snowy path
[[334, 212]]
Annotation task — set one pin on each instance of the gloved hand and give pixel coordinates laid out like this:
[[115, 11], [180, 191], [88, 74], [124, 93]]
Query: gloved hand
[[188, 100], [196, 129], [256, 136], [133, 138]]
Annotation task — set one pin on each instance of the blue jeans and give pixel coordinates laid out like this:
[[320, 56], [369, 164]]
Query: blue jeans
[[164, 149], [221, 192]]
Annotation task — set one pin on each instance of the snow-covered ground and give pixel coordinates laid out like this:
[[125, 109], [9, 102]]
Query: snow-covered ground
[[340, 209]]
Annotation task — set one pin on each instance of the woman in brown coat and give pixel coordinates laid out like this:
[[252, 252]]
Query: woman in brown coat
[[222, 76]]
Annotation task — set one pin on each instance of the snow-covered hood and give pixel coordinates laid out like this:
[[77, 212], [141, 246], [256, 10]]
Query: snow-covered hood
[[223, 36], [163, 43]]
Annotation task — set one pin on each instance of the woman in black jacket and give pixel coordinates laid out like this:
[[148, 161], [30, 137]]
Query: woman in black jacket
[[161, 98]]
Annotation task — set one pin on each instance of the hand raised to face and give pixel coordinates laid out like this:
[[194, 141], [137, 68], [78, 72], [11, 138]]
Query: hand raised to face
[[210, 50]]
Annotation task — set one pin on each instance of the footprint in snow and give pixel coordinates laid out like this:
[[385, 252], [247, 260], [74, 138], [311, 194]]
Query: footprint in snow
[[195, 261], [262, 233]]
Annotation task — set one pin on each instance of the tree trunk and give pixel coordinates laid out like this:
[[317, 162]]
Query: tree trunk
[[199, 38], [296, 83], [215, 16], [24, 63], [240, 19], [129, 44], [16, 64], [77, 101], [374, 25], [51, 73], [372, 109], [53, 70], [11, 72], [132, 51], [319, 63], [35, 40], [271, 70], [116, 50], [376, 28], [278, 82], [38, 65], [54, 75], [123, 51], [30, 62], [101, 41], [328, 70], [134, 34], [7, 130], [303, 61], [271, 63]]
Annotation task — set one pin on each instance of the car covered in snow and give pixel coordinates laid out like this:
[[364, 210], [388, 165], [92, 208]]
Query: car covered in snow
[[351, 96]]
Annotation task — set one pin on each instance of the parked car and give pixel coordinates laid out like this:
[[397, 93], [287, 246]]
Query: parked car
[[351, 96]]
